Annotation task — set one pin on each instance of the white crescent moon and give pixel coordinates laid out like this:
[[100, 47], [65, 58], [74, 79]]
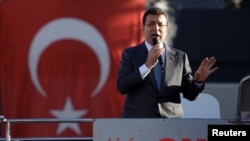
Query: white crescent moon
[[68, 28]]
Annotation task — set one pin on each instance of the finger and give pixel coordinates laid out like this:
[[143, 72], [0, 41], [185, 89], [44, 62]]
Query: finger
[[154, 52], [213, 70], [156, 46], [211, 62], [204, 61], [158, 51]]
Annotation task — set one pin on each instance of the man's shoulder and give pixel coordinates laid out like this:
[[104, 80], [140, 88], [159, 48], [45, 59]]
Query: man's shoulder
[[172, 49], [135, 47]]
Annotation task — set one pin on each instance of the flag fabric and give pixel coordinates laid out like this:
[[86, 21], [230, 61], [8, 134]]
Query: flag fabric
[[59, 59]]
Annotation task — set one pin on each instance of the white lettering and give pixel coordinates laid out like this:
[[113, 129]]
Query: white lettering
[[216, 132]]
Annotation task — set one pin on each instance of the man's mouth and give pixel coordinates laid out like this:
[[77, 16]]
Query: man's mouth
[[155, 35]]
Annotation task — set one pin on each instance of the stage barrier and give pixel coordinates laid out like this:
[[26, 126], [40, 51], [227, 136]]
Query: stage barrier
[[9, 122], [119, 129]]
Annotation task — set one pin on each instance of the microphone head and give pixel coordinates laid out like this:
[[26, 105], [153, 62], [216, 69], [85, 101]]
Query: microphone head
[[155, 41]]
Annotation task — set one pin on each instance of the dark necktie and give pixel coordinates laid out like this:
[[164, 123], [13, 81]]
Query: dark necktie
[[158, 72]]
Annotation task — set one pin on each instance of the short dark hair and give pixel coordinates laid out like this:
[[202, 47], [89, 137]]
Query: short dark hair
[[154, 11]]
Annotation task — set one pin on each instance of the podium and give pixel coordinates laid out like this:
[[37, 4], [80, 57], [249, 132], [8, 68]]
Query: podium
[[159, 129]]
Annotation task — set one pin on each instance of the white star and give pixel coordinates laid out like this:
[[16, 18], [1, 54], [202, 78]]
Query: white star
[[68, 112]]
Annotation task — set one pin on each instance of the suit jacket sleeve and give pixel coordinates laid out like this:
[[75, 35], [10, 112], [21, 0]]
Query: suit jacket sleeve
[[128, 74], [189, 89]]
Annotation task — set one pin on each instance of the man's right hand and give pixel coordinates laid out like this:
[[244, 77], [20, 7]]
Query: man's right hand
[[153, 56]]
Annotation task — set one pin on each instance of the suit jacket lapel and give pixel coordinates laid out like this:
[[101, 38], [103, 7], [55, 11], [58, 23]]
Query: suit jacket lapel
[[171, 59]]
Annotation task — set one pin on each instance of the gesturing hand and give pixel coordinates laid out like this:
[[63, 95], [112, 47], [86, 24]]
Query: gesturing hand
[[205, 69]]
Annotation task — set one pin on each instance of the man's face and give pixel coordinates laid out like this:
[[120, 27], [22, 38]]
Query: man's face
[[155, 26]]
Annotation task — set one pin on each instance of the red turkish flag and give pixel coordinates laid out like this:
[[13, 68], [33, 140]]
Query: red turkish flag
[[59, 59]]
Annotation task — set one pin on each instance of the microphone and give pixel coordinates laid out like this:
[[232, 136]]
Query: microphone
[[154, 42]]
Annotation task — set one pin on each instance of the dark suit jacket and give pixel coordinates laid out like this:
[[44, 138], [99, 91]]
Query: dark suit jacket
[[142, 96]]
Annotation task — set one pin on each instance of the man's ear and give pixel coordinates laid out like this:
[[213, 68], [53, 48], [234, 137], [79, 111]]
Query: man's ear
[[142, 27], [167, 29]]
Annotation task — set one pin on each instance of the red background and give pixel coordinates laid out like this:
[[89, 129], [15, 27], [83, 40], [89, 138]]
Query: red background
[[67, 68]]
